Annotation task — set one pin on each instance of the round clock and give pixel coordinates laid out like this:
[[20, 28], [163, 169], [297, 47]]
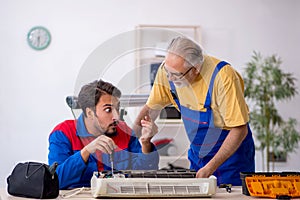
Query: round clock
[[38, 38]]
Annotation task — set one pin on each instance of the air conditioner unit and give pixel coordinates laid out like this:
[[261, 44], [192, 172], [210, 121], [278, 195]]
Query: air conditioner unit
[[160, 183]]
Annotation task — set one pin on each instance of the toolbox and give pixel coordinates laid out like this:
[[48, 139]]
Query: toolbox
[[279, 185]]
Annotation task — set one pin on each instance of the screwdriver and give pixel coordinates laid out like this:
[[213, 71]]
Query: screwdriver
[[111, 158]]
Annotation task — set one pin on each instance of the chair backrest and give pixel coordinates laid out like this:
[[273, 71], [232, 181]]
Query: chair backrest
[[72, 102]]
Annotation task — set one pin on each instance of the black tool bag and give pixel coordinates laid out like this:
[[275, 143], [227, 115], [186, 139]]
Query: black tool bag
[[33, 180]]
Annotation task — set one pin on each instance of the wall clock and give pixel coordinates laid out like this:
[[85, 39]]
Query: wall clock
[[38, 38]]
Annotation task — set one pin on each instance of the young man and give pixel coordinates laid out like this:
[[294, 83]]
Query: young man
[[209, 93], [84, 146]]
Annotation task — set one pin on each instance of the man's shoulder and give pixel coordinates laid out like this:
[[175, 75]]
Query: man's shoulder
[[66, 132], [211, 60], [67, 127]]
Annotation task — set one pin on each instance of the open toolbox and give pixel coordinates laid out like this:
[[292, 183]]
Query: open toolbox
[[279, 185]]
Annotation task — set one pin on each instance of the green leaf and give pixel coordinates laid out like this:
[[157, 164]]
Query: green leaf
[[265, 84]]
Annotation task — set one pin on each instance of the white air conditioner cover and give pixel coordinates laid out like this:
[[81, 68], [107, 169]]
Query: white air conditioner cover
[[153, 187]]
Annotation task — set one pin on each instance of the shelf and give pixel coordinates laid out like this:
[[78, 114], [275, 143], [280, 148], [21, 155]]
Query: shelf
[[151, 45]]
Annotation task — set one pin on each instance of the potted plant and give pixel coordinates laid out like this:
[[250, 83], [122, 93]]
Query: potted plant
[[265, 84]]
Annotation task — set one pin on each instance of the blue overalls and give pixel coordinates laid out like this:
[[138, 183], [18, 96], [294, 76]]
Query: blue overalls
[[206, 140]]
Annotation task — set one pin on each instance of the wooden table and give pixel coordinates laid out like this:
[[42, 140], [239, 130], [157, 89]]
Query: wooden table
[[236, 193]]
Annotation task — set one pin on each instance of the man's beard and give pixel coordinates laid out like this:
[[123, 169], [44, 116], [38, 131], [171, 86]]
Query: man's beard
[[111, 134], [181, 84], [114, 130]]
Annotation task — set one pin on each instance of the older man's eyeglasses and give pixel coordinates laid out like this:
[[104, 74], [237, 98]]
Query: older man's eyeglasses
[[177, 75]]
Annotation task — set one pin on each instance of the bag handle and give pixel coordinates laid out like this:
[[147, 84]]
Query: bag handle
[[27, 169]]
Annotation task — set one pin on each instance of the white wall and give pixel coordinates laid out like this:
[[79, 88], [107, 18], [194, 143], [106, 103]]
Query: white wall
[[34, 84]]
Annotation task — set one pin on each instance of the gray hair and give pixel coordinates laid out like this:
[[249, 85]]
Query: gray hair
[[187, 49]]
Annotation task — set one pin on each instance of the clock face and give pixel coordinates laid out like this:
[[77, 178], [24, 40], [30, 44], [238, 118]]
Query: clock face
[[38, 38]]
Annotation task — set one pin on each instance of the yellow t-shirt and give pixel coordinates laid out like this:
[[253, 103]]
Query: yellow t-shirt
[[228, 102]]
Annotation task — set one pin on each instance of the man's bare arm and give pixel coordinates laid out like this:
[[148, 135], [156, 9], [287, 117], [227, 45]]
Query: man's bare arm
[[230, 145], [145, 111]]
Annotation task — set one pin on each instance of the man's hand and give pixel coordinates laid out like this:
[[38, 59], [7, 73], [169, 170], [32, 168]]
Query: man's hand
[[101, 143], [149, 129], [148, 112], [204, 172]]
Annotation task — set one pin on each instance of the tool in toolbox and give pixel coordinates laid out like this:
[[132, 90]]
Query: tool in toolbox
[[279, 185]]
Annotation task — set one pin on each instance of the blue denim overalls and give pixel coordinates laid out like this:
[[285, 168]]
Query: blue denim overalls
[[206, 139]]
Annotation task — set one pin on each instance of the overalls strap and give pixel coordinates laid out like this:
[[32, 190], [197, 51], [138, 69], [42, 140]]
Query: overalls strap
[[211, 84], [210, 89], [174, 94]]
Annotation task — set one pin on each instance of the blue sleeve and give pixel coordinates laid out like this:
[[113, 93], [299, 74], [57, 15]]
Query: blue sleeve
[[70, 163], [141, 161]]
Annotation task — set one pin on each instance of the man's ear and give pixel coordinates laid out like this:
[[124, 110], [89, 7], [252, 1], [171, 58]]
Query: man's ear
[[198, 68], [90, 113]]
